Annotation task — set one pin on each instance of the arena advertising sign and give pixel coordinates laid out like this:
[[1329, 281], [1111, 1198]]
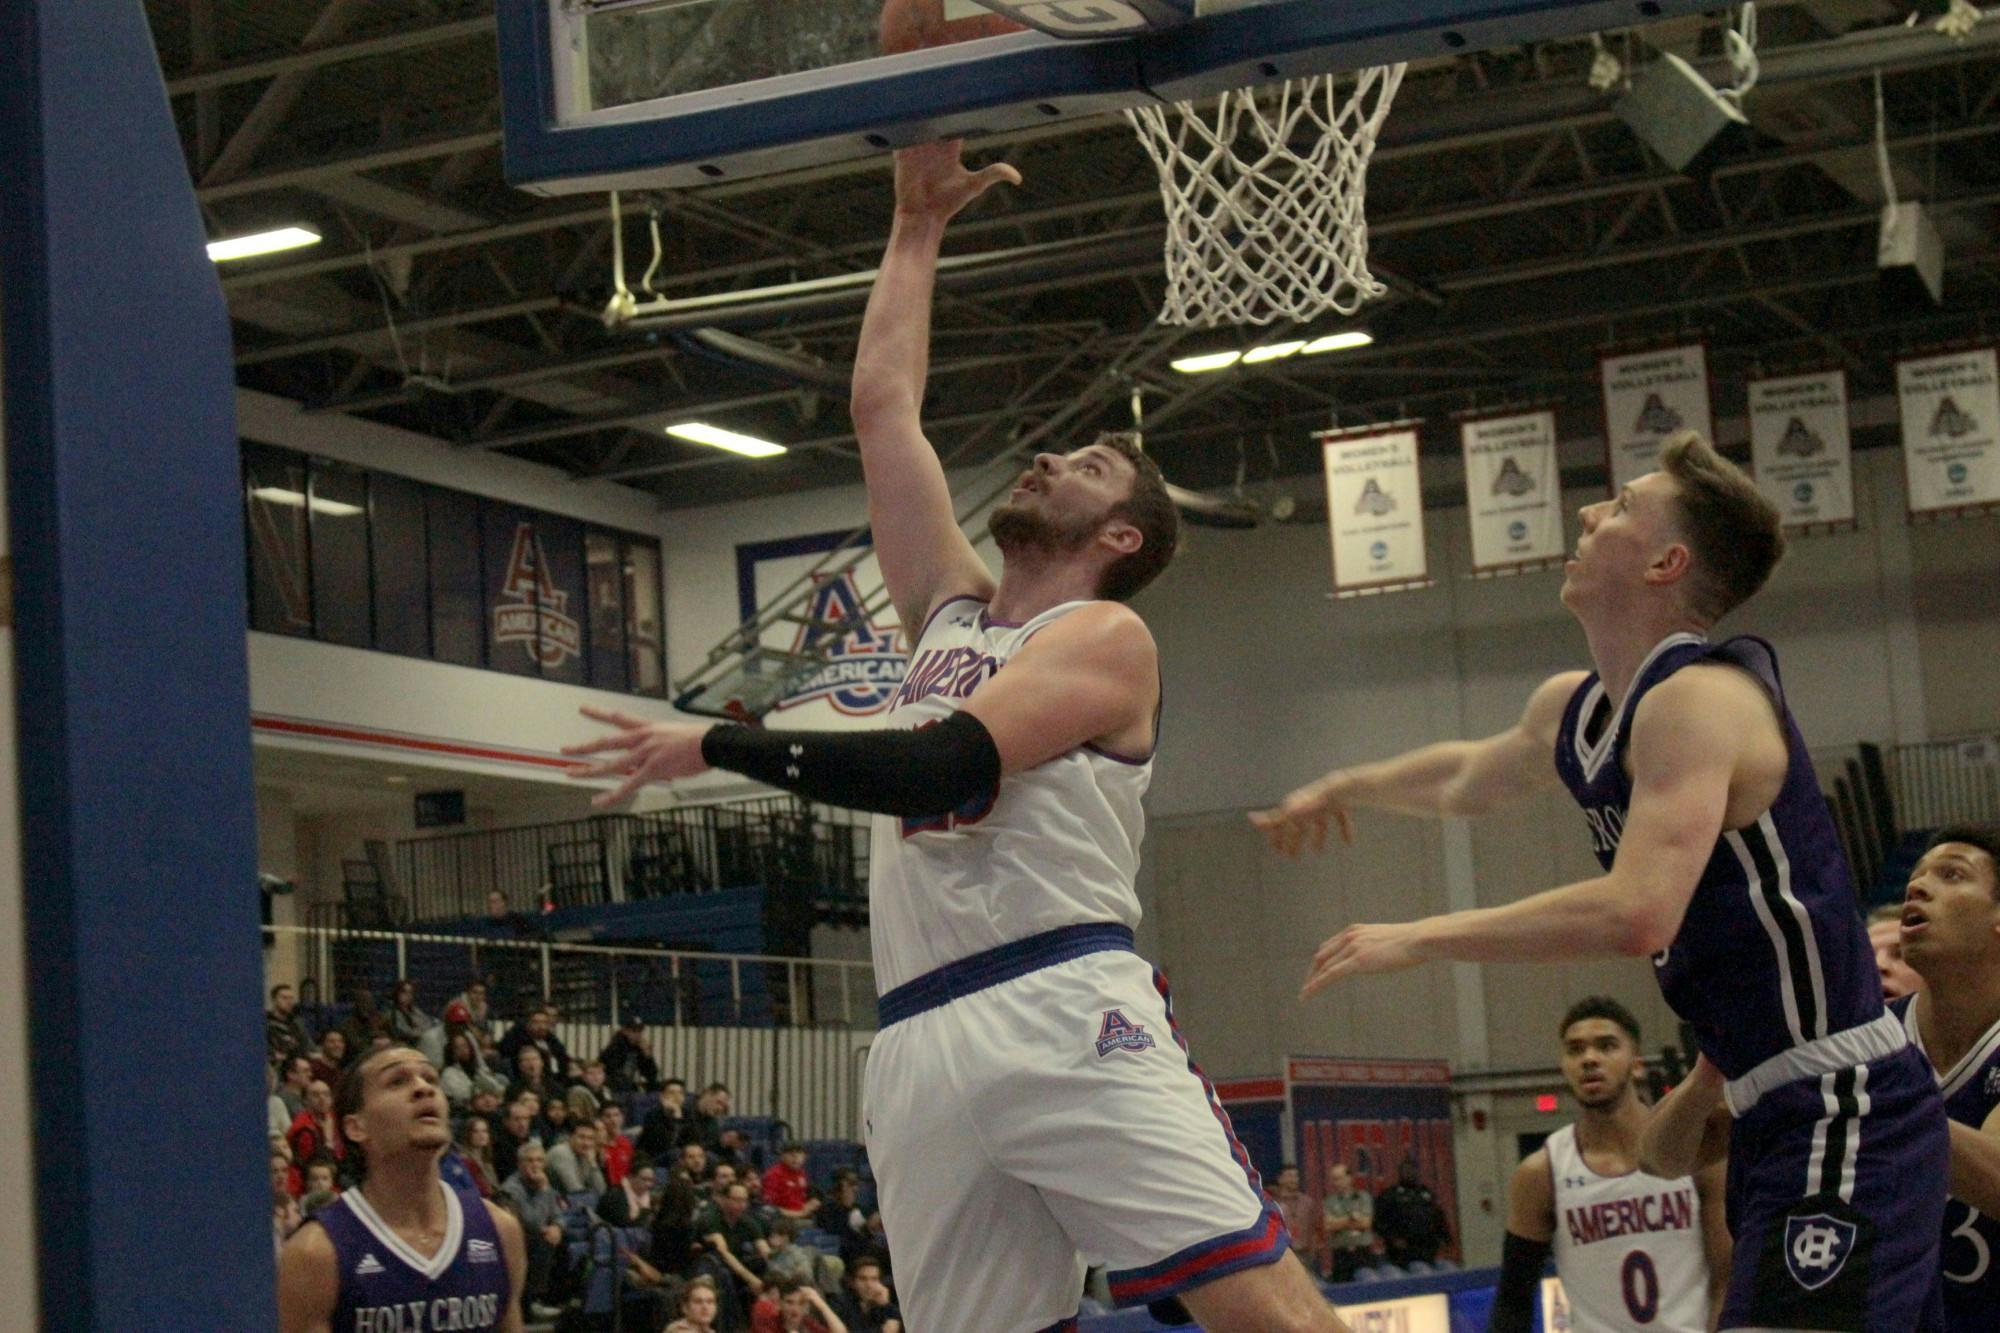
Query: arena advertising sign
[[864, 668], [1513, 489], [1647, 397], [1370, 1115], [1375, 507], [1801, 450], [1413, 1314], [1951, 430]]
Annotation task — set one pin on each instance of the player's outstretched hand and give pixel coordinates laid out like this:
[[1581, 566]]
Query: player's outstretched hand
[[1300, 820], [639, 751], [1359, 951], [931, 179]]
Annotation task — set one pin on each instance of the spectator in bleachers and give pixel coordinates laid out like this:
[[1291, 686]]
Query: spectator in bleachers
[[573, 1164], [531, 1074], [296, 1078], [313, 1130], [592, 1079], [734, 1148], [363, 1024], [285, 1214], [277, 1116], [535, 1202], [699, 1306], [675, 1244], [868, 1305], [614, 1143], [1301, 1216], [1347, 1222], [790, 1305], [536, 1031], [734, 1238], [475, 1149], [720, 1177], [332, 1057], [840, 1216], [630, 1202], [322, 1176], [473, 1000], [517, 1131], [283, 1034], [1408, 1218], [583, 1104], [695, 1164], [786, 1187], [463, 1074], [281, 1147], [406, 1022], [553, 1122], [487, 1105], [628, 1066], [705, 1123], [664, 1130], [788, 1258]]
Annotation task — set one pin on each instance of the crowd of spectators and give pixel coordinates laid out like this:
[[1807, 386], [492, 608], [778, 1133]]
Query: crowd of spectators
[[1350, 1229], [544, 1134]]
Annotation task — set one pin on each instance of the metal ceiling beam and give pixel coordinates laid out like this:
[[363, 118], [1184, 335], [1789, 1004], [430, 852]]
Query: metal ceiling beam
[[277, 100], [249, 71], [358, 338], [285, 178]]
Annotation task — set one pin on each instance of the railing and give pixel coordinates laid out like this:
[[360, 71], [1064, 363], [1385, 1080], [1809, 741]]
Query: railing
[[777, 842], [1946, 782], [1883, 795], [789, 1036]]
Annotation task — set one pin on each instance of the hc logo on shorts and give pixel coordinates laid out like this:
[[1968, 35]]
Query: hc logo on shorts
[[1816, 1248], [1119, 1033], [1993, 1081]]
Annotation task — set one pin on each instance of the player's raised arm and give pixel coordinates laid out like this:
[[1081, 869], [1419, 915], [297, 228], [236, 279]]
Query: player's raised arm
[[308, 1282], [1449, 778], [1711, 1185], [925, 556]]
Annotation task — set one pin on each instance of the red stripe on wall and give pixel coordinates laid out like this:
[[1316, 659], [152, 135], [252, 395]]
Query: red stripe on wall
[[286, 726], [1251, 1090]]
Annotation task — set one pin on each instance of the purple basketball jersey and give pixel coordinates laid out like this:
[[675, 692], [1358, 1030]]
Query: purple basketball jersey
[[1971, 1238], [386, 1287], [1772, 953]]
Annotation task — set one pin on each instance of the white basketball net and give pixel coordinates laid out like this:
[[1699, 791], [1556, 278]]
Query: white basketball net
[[1267, 205]]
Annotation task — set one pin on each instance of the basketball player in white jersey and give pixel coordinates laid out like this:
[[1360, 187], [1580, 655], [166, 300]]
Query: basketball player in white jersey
[[1634, 1251], [1030, 1106]]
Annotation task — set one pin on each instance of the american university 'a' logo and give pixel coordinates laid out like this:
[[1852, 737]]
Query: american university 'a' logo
[[1952, 422], [1800, 440], [1656, 418], [866, 664], [1119, 1033], [1374, 500], [531, 610], [1816, 1248]]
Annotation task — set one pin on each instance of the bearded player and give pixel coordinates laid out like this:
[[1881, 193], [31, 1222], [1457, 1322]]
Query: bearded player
[[1634, 1250], [402, 1252], [1022, 1040], [1722, 863], [1951, 937]]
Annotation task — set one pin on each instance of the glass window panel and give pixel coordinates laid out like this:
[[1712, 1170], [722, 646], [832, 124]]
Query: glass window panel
[[338, 515], [514, 582], [559, 548], [452, 527], [396, 545], [608, 668], [644, 632], [274, 483]]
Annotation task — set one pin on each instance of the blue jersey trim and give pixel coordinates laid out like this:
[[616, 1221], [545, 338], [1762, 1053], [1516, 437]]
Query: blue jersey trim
[[982, 971]]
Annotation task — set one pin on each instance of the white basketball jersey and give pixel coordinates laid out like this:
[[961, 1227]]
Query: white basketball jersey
[[1628, 1248], [1057, 845]]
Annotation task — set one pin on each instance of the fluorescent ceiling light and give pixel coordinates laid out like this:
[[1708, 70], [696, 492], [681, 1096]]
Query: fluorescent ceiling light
[[1338, 342], [1272, 352], [278, 495], [697, 432], [1196, 365], [262, 243]]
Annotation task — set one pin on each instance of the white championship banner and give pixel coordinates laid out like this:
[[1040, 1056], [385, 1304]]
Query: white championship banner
[[1647, 397], [1513, 489], [1801, 447], [1951, 429], [1375, 508]]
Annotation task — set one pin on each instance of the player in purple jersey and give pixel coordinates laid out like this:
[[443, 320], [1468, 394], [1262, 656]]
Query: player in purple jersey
[[401, 1252], [1721, 862], [1951, 937]]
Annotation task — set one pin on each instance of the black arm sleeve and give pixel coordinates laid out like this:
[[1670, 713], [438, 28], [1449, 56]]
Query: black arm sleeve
[[931, 771], [1521, 1263]]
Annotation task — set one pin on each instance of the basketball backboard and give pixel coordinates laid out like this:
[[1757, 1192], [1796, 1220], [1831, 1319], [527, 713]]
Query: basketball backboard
[[624, 94]]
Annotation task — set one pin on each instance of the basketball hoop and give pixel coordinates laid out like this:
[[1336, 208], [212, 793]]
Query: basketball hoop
[[1259, 229]]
